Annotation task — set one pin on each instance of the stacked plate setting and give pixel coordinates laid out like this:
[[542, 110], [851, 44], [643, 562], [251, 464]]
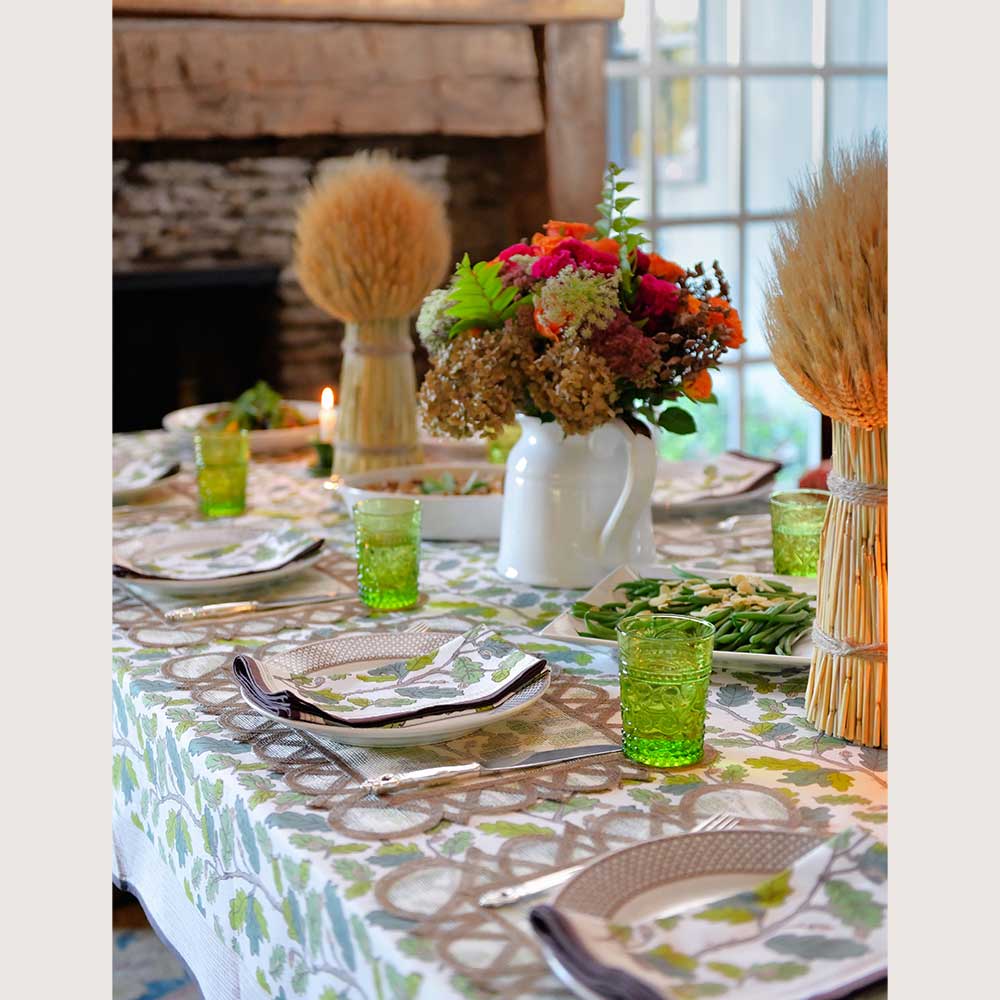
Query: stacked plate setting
[[394, 689]]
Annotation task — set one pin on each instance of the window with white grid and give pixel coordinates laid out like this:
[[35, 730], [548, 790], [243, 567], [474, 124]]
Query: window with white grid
[[715, 108]]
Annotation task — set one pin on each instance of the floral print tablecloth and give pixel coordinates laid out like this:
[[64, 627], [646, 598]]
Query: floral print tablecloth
[[317, 914]]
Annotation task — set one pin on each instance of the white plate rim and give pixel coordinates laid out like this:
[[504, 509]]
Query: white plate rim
[[562, 627], [420, 733]]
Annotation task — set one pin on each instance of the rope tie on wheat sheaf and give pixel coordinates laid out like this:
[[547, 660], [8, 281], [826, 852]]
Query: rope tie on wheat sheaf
[[857, 491], [848, 647], [854, 491]]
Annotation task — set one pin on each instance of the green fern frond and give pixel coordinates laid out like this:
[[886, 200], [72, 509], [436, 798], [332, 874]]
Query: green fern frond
[[479, 298]]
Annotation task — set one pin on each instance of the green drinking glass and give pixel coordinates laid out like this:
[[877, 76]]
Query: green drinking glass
[[664, 665], [221, 458], [387, 538], [796, 530], [498, 448]]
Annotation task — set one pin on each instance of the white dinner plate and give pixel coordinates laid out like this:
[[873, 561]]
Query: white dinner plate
[[659, 878], [567, 627], [183, 423], [345, 653], [147, 547]]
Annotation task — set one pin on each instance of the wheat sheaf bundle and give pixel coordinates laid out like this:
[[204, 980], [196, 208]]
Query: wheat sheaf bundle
[[826, 321], [371, 241]]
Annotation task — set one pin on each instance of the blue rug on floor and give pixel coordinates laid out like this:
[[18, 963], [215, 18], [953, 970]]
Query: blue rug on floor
[[145, 969]]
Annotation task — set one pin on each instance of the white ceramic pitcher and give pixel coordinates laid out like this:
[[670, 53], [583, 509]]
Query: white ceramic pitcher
[[575, 507]]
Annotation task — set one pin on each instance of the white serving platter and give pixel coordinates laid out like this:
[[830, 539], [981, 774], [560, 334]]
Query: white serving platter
[[566, 626]]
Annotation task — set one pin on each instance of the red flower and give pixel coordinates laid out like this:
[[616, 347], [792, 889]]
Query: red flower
[[655, 297], [551, 264]]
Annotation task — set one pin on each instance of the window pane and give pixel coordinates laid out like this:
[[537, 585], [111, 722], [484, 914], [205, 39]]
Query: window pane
[[778, 423], [778, 31], [697, 152], [686, 245], [778, 139], [859, 31], [688, 31], [718, 425], [758, 267], [857, 105], [625, 37], [625, 138]]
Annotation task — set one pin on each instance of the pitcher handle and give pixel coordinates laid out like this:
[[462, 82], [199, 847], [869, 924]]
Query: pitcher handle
[[640, 478]]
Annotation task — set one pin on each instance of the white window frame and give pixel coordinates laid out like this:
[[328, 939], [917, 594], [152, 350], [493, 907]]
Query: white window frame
[[650, 68]]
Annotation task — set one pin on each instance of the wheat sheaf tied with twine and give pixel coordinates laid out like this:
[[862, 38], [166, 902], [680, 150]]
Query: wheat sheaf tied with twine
[[826, 322], [371, 241]]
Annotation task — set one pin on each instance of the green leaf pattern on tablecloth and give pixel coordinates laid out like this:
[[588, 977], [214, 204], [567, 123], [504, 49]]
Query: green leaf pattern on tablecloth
[[312, 925]]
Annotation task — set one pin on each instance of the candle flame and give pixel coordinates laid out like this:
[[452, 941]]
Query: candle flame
[[326, 399]]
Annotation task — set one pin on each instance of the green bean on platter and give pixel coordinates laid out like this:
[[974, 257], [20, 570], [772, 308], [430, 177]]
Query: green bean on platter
[[751, 614]]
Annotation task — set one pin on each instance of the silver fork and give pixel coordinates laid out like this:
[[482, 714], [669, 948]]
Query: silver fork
[[508, 894]]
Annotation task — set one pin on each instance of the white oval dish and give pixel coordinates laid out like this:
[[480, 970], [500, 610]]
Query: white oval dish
[[443, 518], [184, 422]]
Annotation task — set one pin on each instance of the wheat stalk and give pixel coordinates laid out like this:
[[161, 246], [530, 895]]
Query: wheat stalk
[[826, 321], [370, 243]]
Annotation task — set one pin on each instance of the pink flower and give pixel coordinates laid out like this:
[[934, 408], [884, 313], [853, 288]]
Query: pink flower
[[627, 350], [517, 248], [574, 253], [655, 297], [641, 261], [551, 264]]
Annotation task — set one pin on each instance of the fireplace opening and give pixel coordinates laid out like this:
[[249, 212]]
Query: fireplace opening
[[182, 337]]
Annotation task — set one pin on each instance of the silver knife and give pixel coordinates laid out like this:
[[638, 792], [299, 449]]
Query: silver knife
[[435, 775], [245, 607]]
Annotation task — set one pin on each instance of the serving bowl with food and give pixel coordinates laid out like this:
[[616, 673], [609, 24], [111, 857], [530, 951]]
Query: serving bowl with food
[[459, 501], [275, 424]]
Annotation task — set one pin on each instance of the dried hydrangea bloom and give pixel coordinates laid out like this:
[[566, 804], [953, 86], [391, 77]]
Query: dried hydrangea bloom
[[575, 385], [477, 385], [576, 303], [432, 323]]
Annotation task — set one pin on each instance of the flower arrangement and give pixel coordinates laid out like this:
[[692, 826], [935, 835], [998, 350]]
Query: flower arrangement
[[580, 325]]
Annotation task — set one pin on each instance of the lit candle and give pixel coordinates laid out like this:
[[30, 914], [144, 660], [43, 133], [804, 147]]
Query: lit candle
[[327, 416]]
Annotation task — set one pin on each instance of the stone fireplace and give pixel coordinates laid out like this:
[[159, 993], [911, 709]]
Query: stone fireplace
[[222, 123]]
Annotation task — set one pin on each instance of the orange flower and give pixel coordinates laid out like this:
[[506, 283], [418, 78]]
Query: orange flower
[[699, 385], [549, 332], [547, 243], [606, 245], [579, 230], [666, 269], [693, 305], [730, 318]]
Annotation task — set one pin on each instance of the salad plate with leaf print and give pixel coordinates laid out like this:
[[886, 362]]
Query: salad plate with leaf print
[[372, 672], [763, 914], [212, 559]]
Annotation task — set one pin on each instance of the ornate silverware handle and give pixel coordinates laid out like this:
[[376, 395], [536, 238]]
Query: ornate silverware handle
[[425, 776], [210, 611], [512, 893]]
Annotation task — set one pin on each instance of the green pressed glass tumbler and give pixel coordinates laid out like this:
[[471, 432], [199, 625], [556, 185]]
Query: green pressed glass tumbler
[[796, 530], [664, 666], [387, 537], [499, 447], [221, 458]]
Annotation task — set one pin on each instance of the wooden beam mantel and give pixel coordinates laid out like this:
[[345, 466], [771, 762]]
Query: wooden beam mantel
[[441, 11], [205, 78]]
